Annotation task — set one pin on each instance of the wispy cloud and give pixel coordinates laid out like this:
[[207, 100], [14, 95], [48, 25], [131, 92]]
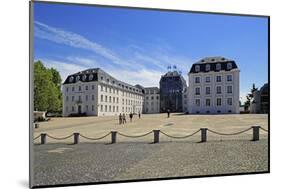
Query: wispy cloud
[[139, 66]]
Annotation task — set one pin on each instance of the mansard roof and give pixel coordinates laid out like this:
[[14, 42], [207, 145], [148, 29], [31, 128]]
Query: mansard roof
[[212, 62], [97, 74]]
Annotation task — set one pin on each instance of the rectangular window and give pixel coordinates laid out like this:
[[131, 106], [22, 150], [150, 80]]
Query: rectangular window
[[197, 79], [93, 87], [157, 97], [72, 108], [152, 98], [109, 98], [117, 100], [101, 98], [66, 98], [73, 88], [229, 77], [146, 98], [117, 108], [86, 87], [229, 89], [218, 78], [87, 107], [109, 108], [197, 102], [208, 102], [79, 88], [105, 98], [208, 90], [72, 98], [79, 98], [66, 89], [101, 108], [93, 97], [105, 108], [86, 97], [105, 89], [218, 89], [93, 107], [197, 91], [208, 79], [229, 101], [101, 88], [113, 99], [218, 101]]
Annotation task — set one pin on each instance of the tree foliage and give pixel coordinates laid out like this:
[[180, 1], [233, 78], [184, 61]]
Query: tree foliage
[[250, 96], [47, 93]]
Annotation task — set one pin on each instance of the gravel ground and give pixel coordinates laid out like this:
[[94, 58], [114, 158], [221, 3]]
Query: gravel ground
[[97, 162]]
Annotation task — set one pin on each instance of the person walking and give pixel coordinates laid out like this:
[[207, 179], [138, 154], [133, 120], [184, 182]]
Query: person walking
[[139, 115], [168, 112], [124, 118], [120, 119], [131, 116]]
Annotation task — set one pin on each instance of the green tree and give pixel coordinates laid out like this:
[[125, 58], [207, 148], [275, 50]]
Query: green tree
[[250, 96], [47, 93]]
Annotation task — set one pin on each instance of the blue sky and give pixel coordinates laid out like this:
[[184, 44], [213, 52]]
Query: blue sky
[[136, 46]]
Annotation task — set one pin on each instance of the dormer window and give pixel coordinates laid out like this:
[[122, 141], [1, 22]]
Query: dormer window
[[197, 68], [84, 77], [208, 67], [107, 80], [229, 66], [77, 78], [218, 67], [71, 79], [91, 77]]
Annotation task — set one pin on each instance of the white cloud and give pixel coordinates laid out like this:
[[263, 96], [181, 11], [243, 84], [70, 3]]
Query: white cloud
[[142, 66]]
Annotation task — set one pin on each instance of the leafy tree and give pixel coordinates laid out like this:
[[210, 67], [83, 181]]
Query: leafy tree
[[250, 96], [47, 93]]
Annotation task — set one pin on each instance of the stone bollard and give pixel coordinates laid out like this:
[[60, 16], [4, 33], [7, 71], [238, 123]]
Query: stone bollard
[[256, 133], [156, 136], [204, 134], [76, 138], [113, 137], [43, 138]]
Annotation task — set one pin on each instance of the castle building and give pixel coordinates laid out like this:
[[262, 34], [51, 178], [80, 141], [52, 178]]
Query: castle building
[[151, 100], [213, 86], [260, 101], [95, 92], [172, 85]]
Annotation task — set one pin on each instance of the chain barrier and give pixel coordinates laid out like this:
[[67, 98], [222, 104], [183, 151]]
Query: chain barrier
[[237, 133], [180, 137], [135, 136], [263, 129], [99, 138], [36, 137], [61, 138]]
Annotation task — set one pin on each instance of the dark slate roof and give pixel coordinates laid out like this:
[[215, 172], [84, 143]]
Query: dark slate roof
[[212, 61], [96, 74], [264, 89]]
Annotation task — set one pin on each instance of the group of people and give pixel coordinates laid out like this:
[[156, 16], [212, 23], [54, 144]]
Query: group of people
[[122, 117]]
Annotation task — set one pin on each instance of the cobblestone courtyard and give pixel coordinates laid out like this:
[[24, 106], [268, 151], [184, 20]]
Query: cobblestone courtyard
[[60, 162]]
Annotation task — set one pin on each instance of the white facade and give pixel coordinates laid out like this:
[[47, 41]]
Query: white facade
[[101, 97], [151, 100], [214, 88], [185, 100]]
